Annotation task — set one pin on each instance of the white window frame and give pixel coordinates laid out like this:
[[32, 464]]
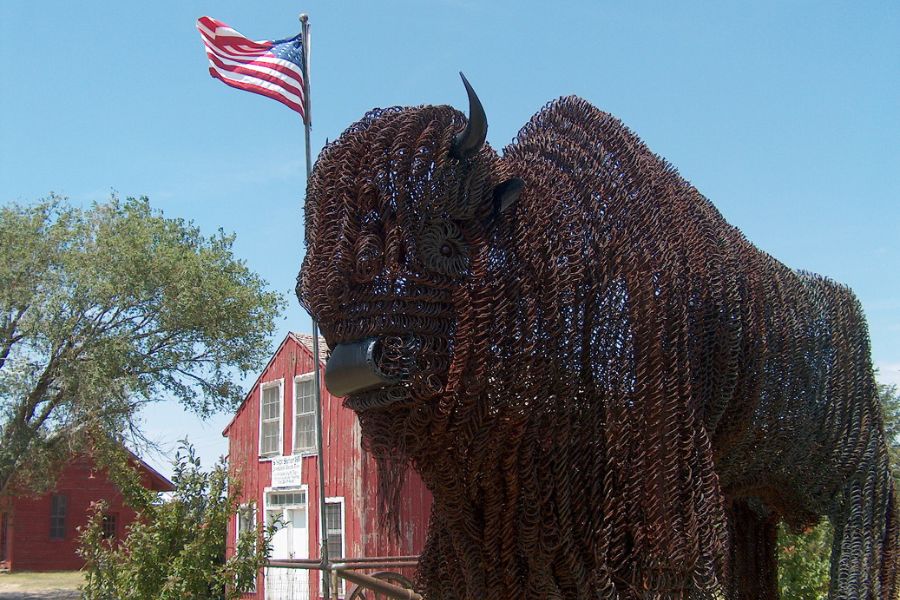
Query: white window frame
[[338, 500], [265, 386], [303, 451], [282, 507], [237, 532], [237, 519]]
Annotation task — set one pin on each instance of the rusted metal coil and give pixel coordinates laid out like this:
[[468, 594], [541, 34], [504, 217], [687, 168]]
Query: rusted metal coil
[[610, 392]]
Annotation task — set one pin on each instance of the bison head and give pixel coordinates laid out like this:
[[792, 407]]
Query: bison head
[[401, 212]]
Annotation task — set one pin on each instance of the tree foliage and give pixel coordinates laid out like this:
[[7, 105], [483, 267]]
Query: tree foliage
[[890, 402], [804, 562], [175, 549], [107, 308], [804, 557]]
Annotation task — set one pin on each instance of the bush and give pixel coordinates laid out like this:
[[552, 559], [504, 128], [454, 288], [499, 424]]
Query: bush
[[804, 562], [176, 548]]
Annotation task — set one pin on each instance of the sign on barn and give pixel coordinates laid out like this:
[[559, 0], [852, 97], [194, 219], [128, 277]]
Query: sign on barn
[[286, 471]]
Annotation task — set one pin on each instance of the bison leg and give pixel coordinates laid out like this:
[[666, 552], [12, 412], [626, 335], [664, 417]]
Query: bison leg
[[754, 573], [866, 551]]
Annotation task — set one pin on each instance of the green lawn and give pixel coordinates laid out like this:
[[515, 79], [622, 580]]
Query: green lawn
[[28, 581]]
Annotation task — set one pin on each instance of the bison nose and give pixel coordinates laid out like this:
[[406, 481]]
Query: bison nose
[[353, 368]]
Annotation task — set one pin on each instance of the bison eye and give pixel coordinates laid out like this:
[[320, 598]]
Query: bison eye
[[444, 248]]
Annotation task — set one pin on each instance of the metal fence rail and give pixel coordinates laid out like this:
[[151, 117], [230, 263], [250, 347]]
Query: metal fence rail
[[296, 584]]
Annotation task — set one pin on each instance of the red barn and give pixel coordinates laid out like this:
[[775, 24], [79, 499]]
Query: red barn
[[40, 533], [272, 452]]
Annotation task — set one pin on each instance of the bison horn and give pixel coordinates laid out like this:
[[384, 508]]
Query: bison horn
[[468, 142]]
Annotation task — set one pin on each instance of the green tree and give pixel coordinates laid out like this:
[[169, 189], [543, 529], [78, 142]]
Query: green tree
[[105, 309], [890, 402], [176, 549], [804, 558], [804, 562]]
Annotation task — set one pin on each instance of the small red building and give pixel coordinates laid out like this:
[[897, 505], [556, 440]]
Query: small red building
[[40, 533], [272, 452]]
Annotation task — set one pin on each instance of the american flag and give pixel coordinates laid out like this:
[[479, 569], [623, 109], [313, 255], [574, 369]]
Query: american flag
[[273, 69]]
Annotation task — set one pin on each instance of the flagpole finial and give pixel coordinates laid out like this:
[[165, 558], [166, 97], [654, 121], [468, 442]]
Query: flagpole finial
[[304, 17]]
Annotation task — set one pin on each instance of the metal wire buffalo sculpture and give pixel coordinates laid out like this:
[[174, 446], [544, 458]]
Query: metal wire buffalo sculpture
[[610, 392]]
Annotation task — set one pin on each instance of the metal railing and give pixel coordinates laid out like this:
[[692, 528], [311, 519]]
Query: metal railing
[[387, 582]]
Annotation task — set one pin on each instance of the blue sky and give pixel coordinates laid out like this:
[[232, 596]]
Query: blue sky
[[785, 114]]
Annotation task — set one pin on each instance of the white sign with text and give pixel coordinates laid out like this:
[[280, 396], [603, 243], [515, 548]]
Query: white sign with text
[[286, 470]]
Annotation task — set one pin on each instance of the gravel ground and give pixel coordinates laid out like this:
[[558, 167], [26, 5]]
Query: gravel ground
[[41, 595], [59, 585]]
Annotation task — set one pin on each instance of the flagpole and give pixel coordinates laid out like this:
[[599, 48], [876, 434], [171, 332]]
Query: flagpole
[[317, 385]]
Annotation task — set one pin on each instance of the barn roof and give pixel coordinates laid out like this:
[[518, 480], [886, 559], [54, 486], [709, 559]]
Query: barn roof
[[307, 340], [158, 481], [304, 340]]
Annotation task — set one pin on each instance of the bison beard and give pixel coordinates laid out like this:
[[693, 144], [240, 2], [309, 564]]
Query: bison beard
[[610, 392]]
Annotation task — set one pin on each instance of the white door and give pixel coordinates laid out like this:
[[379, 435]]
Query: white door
[[291, 540]]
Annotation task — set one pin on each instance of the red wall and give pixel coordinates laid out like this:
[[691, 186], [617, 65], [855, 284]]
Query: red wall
[[349, 470], [30, 547]]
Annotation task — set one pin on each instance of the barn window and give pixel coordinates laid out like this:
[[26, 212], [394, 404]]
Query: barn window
[[304, 415], [334, 529], [4, 532], [246, 522], [109, 525], [270, 410], [280, 499], [334, 526], [57, 517]]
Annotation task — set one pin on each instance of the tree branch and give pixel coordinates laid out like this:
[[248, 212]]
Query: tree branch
[[9, 339]]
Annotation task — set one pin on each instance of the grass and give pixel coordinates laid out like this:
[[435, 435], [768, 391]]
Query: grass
[[30, 581]]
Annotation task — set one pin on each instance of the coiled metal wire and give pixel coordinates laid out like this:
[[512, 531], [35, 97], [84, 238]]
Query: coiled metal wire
[[610, 392]]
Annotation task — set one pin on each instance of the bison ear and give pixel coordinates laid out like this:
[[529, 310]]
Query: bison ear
[[506, 193]]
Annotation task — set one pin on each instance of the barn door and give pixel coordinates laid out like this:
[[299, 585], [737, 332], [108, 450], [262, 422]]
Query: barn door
[[291, 540]]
